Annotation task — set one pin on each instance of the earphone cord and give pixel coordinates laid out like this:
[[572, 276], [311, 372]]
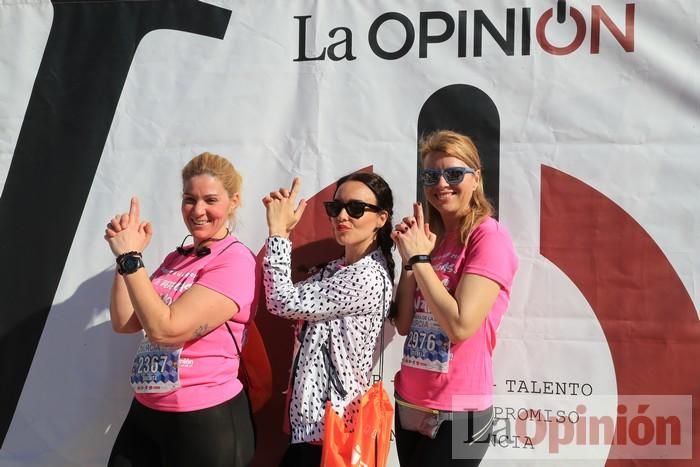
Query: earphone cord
[[212, 239], [182, 250]]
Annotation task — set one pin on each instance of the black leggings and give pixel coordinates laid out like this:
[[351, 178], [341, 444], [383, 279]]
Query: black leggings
[[302, 455], [219, 436], [417, 450]]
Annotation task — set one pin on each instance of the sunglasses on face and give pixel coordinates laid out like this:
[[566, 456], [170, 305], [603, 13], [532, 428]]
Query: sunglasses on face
[[452, 175], [354, 208]]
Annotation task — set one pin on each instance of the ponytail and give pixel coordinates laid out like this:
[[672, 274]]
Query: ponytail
[[386, 245]]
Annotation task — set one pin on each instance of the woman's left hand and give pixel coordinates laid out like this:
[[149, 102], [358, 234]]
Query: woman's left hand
[[126, 232], [413, 236]]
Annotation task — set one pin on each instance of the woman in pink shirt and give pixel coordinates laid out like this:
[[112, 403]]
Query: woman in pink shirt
[[189, 407], [458, 267]]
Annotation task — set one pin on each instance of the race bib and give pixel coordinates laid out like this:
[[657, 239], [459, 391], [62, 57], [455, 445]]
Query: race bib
[[426, 346], [156, 368]]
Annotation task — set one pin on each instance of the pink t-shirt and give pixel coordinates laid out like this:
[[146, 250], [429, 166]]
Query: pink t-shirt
[[208, 366], [433, 370]]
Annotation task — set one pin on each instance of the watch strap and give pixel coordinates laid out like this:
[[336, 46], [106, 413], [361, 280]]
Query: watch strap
[[417, 259]]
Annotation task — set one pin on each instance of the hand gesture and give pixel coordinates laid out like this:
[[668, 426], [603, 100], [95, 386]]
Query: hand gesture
[[125, 232], [413, 236], [282, 215]]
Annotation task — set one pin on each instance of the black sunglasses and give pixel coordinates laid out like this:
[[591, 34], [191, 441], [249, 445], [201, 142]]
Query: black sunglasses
[[354, 208], [452, 175]]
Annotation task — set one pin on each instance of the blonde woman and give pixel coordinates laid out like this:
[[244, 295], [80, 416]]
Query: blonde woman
[[189, 407], [457, 271]]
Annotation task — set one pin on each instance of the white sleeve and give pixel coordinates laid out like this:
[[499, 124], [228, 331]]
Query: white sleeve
[[351, 291]]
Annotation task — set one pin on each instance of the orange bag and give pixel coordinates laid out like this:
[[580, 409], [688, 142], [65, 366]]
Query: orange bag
[[368, 444]]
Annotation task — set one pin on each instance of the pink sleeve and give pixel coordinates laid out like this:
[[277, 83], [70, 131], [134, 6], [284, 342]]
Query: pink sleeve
[[490, 253], [232, 273]]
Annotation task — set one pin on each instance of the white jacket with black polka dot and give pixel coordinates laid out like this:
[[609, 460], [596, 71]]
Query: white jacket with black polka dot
[[342, 307]]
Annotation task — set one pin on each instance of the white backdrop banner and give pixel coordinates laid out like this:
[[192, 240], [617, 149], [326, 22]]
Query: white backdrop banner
[[587, 115]]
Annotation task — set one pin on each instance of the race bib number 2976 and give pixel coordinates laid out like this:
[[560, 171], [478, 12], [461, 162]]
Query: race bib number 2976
[[426, 346]]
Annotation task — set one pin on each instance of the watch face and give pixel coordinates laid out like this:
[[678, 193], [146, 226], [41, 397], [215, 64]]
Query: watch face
[[130, 264]]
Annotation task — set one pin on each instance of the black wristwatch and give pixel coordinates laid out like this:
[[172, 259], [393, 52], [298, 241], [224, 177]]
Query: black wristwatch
[[129, 263], [417, 259]]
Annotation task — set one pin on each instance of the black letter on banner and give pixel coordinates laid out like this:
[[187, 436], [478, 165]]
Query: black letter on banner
[[462, 34], [561, 11], [426, 39], [348, 48], [470, 111], [408, 42], [302, 42], [507, 44], [525, 39], [82, 72]]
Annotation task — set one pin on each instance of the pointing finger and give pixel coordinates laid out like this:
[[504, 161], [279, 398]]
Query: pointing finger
[[134, 210], [418, 213], [296, 186]]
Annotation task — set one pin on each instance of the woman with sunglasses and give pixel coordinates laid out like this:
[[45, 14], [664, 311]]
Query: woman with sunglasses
[[189, 408], [458, 267], [339, 310]]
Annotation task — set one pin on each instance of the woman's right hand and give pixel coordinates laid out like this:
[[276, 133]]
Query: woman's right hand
[[125, 232], [282, 215]]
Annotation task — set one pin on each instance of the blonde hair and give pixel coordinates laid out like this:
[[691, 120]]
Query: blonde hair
[[463, 148], [216, 166]]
